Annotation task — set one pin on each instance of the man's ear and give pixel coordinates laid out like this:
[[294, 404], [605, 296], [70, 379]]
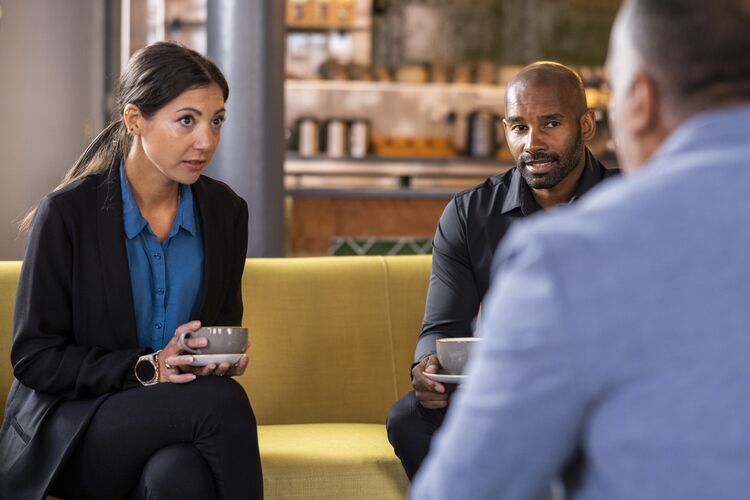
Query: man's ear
[[644, 105], [588, 125]]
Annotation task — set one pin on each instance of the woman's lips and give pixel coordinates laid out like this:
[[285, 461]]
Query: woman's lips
[[195, 164]]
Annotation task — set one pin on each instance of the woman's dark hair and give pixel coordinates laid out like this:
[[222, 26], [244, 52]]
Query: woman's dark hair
[[155, 75]]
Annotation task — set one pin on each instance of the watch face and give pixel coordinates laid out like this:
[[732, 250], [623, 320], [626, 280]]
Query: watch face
[[144, 370]]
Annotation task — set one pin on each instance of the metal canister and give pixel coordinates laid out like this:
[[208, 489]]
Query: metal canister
[[359, 138], [308, 136], [336, 138], [482, 133]]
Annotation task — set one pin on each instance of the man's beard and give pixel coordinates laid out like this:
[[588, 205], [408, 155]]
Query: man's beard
[[566, 163]]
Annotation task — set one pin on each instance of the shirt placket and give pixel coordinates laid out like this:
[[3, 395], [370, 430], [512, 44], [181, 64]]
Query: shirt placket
[[159, 272]]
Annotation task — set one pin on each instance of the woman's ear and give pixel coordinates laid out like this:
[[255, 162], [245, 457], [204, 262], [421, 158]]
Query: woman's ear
[[131, 118]]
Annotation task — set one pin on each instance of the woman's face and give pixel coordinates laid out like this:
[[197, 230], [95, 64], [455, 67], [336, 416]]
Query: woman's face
[[181, 138]]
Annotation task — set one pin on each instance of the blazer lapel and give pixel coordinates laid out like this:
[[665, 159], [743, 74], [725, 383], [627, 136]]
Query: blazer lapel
[[114, 259], [214, 233]]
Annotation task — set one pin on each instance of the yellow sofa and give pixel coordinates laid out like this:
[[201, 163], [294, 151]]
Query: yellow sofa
[[331, 342]]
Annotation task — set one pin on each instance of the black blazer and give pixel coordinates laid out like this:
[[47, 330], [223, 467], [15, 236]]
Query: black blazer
[[74, 333]]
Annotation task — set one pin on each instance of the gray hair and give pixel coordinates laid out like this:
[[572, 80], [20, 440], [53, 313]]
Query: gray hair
[[698, 52]]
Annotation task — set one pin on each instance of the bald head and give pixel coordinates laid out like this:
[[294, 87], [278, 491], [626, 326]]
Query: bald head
[[552, 76]]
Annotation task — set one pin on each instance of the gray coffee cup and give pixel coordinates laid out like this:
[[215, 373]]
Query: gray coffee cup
[[221, 340], [453, 353]]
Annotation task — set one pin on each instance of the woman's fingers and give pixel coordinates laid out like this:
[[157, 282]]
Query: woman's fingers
[[240, 367], [179, 361], [187, 327], [181, 378]]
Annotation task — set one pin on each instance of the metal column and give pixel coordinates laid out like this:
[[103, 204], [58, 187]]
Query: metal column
[[246, 39]]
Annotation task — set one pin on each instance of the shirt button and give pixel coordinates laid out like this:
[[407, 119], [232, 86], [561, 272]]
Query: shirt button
[[158, 326], [160, 291], [157, 256]]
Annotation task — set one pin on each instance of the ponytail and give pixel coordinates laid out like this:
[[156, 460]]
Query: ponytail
[[105, 150]]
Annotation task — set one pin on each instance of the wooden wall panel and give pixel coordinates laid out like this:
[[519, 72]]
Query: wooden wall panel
[[315, 220]]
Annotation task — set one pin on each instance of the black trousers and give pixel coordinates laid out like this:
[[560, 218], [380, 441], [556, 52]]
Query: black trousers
[[167, 441], [410, 429]]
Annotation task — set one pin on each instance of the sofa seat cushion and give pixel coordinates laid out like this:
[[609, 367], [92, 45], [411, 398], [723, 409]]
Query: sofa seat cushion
[[330, 461]]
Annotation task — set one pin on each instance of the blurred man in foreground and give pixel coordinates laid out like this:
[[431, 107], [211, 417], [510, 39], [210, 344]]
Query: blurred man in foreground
[[618, 327]]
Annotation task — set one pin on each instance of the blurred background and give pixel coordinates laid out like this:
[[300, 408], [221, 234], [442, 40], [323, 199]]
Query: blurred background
[[351, 123]]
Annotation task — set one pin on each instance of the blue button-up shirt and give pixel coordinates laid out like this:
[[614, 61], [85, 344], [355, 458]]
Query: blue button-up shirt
[[617, 327], [167, 278]]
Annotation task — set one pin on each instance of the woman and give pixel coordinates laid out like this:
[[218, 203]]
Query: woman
[[132, 249]]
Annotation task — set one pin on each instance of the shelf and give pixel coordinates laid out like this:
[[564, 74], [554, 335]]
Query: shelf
[[397, 167], [318, 29], [414, 194], [421, 177], [389, 86]]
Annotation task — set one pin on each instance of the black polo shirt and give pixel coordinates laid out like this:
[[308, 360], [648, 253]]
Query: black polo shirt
[[467, 235]]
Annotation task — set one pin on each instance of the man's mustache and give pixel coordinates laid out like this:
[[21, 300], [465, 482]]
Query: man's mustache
[[529, 157]]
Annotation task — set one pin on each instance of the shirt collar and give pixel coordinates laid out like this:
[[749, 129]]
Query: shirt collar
[[714, 126], [186, 213], [590, 177], [520, 196], [134, 221]]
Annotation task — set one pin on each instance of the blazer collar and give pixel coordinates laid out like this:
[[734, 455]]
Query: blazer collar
[[215, 231], [114, 258]]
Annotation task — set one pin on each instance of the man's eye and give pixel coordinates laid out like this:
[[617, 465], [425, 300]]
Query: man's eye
[[519, 128], [552, 124]]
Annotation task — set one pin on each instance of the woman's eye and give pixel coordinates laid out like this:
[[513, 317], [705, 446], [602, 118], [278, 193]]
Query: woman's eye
[[216, 122], [186, 120]]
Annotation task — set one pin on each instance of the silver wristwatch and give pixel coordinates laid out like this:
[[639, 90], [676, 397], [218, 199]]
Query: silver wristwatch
[[147, 369]]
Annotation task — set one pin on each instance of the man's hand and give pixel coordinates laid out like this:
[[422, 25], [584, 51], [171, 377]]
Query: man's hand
[[429, 393]]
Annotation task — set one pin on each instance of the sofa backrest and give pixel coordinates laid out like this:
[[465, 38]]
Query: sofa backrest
[[332, 338], [9, 272]]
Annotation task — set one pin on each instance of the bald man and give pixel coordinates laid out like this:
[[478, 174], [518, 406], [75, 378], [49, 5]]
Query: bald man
[[547, 124]]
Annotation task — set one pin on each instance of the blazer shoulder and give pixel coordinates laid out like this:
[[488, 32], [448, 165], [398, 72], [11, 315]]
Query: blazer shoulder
[[77, 197], [215, 189], [76, 189]]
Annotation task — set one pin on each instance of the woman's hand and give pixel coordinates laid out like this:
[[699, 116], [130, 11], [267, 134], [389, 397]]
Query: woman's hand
[[221, 369], [231, 370], [174, 363]]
